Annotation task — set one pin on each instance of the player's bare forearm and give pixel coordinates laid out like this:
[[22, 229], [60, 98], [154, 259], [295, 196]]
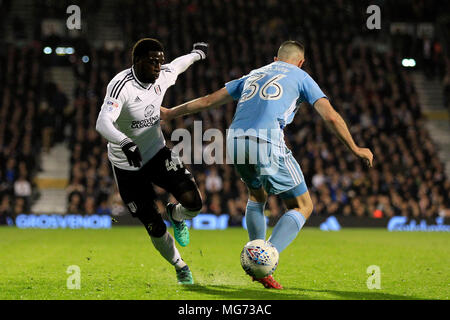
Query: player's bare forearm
[[338, 126], [340, 129], [335, 123], [215, 99]]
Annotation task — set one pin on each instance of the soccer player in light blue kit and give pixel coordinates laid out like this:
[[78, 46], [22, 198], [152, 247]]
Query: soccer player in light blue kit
[[268, 99]]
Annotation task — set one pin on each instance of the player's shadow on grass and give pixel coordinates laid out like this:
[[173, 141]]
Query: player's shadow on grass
[[232, 292], [361, 295]]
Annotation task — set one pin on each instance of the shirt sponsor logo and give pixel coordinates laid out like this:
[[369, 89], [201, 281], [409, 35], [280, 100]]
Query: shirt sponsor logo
[[138, 124], [400, 223]]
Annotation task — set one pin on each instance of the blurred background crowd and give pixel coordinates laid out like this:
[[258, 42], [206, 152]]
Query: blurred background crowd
[[366, 83], [21, 120]]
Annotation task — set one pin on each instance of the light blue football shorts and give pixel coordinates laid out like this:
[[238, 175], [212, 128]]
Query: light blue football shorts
[[263, 164]]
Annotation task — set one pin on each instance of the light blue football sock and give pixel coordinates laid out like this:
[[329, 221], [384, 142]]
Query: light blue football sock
[[255, 220], [286, 229]]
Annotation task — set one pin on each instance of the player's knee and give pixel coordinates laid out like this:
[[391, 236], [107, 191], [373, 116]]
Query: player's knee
[[155, 225], [258, 198], [194, 207], [157, 229], [189, 196], [257, 195], [190, 214], [149, 216], [191, 206], [197, 203], [193, 202]]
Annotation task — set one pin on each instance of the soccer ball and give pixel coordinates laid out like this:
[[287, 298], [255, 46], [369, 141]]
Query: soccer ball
[[259, 258]]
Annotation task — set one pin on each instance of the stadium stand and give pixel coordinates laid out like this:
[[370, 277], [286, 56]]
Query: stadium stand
[[21, 117], [365, 82], [370, 88]]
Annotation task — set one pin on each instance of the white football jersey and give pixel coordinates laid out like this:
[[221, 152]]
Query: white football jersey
[[131, 109]]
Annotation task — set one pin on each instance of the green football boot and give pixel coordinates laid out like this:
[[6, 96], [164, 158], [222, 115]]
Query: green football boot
[[180, 229], [184, 276]]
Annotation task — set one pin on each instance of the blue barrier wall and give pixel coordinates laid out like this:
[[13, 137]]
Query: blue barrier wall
[[205, 221]]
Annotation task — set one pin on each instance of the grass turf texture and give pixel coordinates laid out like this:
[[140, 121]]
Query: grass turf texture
[[121, 263]]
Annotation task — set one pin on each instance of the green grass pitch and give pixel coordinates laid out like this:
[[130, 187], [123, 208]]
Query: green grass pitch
[[121, 263]]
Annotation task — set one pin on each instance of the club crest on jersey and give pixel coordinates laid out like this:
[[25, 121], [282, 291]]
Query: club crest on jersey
[[158, 90], [149, 110]]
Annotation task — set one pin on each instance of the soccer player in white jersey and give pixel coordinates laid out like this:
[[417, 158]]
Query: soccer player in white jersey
[[268, 99], [130, 120]]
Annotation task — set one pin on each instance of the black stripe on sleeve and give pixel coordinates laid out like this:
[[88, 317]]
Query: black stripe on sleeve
[[118, 84], [114, 87], [120, 89]]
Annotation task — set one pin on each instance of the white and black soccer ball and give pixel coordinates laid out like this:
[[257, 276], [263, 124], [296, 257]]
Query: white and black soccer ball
[[259, 258]]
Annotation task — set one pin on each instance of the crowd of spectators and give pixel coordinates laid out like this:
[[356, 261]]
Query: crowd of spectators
[[365, 83], [20, 118], [367, 86], [445, 66]]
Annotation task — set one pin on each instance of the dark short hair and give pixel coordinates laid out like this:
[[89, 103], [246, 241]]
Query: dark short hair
[[296, 43], [143, 46]]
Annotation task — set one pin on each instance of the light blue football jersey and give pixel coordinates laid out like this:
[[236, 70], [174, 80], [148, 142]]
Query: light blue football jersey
[[268, 98]]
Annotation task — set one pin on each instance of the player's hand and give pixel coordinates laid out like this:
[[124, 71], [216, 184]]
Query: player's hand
[[366, 155], [200, 48], [132, 152]]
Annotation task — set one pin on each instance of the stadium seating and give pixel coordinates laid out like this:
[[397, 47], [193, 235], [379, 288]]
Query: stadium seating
[[22, 115], [365, 83], [369, 88]]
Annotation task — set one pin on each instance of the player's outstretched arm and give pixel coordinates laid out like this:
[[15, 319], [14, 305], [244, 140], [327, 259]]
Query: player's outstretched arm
[[182, 63], [212, 100], [337, 124]]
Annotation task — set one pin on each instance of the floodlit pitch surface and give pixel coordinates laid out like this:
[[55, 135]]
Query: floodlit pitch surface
[[121, 263]]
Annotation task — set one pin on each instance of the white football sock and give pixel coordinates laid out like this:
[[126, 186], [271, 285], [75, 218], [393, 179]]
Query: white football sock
[[180, 213], [166, 247]]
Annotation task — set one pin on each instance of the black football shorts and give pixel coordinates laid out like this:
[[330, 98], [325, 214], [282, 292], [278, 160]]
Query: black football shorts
[[136, 187]]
